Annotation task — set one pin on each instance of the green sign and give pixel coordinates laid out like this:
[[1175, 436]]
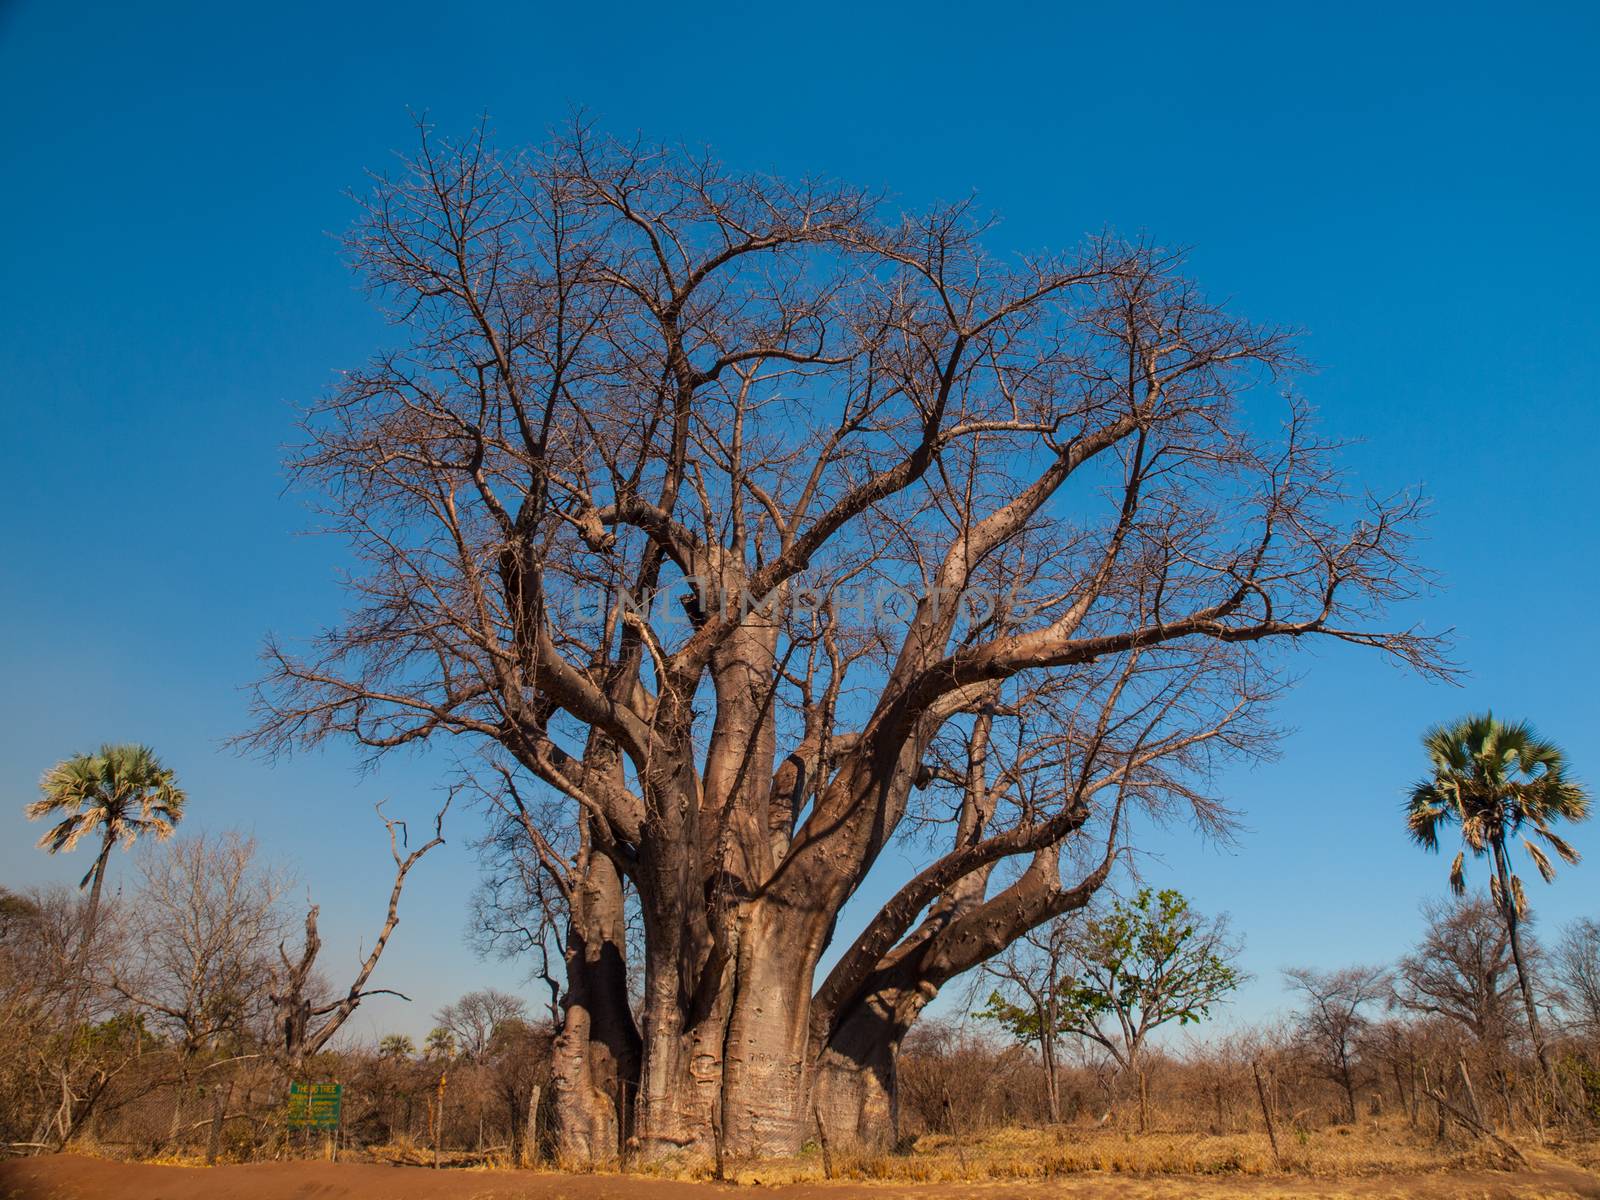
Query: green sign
[[314, 1105]]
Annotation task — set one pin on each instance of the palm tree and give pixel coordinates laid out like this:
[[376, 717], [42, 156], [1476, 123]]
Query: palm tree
[[1498, 782], [396, 1045], [441, 1043], [121, 793]]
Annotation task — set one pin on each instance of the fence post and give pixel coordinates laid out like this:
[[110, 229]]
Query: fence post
[[438, 1128], [530, 1140], [1266, 1112], [822, 1140], [1472, 1092], [219, 1112]]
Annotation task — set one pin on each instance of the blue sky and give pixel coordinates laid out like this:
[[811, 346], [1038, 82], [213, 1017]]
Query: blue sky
[[1413, 185]]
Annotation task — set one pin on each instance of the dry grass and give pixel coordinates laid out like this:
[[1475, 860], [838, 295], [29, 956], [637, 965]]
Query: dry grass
[[1378, 1158], [1371, 1149]]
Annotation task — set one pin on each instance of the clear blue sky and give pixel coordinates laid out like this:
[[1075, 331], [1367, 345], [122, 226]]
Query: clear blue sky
[[1414, 185]]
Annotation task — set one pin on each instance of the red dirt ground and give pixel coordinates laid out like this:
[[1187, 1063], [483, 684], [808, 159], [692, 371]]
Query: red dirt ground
[[68, 1177]]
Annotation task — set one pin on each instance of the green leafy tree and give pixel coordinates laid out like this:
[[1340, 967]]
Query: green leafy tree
[[1144, 963], [121, 793], [1497, 783]]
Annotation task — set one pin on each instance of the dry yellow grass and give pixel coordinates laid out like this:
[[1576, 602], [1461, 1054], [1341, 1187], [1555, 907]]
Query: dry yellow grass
[[1372, 1161], [1015, 1155]]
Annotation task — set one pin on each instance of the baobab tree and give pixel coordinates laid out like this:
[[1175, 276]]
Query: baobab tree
[[710, 502], [1462, 970]]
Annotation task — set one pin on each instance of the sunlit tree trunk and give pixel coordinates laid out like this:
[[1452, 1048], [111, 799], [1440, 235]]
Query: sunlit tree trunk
[[1508, 909], [595, 1060]]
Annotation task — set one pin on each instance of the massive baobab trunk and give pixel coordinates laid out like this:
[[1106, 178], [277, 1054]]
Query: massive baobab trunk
[[739, 519], [595, 1060]]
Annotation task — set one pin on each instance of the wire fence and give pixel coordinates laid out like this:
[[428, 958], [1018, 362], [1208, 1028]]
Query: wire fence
[[243, 1109]]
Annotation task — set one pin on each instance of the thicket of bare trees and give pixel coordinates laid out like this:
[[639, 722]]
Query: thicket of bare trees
[[1441, 1033], [742, 528], [179, 994], [174, 1047]]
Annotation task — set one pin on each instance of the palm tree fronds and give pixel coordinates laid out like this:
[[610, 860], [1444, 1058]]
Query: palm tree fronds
[[120, 792], [1546, 871], [1475, 832], [42, 808], [1458, 879], [66, 834], [1567, 800], [1425, 809], [1568, 853]]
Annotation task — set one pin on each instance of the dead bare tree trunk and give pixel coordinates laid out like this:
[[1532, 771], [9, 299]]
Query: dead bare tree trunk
[[219, 1114], [305, 1027], [1472, 1092], [530, 1139]]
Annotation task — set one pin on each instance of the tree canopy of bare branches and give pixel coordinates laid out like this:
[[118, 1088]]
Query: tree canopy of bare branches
[[202, 934], [730, 510], [1337, 1012], [1463, 970]]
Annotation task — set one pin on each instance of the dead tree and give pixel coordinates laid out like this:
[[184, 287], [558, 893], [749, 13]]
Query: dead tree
[[306, 1024], [708, 500]]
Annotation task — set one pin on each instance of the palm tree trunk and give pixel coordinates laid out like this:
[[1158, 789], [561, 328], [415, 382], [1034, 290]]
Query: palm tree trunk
[[92, 913], [1508, 907]]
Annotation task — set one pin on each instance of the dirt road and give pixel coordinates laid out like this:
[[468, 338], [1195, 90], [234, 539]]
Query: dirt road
[[67, 1177]]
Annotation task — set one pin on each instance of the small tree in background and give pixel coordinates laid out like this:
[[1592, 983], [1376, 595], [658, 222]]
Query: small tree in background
[[202, 928], [1334, 1020], [1577, 975], [396, 1045], [1145, 963], [470, 1022], [1032, 971]]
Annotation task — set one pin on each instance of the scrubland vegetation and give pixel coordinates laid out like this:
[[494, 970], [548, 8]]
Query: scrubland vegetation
[[737, 537], [175, 1056]]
